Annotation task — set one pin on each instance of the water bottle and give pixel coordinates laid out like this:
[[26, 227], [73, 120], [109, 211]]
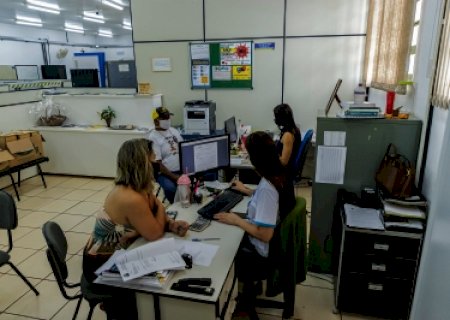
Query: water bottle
[[183, 193], [360, 94]]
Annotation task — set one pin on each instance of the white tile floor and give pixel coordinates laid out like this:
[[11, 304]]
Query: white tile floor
[[71, 201]]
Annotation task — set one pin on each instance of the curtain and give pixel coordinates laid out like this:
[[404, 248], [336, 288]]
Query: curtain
[[441, 88], [389, 28]]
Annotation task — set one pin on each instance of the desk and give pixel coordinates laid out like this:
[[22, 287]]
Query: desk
[[169, 304]]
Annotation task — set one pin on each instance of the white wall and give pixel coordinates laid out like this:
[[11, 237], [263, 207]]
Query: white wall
[[317, 53]]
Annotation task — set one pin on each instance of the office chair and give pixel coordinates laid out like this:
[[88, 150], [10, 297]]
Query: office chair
[[56, 254], [8, 221], [302, 152], [287, 260]]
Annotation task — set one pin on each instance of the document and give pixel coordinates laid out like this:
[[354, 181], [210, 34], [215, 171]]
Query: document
[[330, 166], [202, 253], [334, 138], [403, 211], [366, 218], [205, 156]]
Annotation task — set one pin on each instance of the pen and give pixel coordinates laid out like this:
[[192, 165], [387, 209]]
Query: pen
[[204, 239]]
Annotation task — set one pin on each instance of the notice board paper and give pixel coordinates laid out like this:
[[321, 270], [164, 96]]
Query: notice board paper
[[330, 167], [334, 138]]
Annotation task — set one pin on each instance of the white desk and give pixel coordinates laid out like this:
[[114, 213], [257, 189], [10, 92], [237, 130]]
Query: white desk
[[169, 304]]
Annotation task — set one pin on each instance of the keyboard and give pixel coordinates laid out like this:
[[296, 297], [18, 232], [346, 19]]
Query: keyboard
[[222, 203]]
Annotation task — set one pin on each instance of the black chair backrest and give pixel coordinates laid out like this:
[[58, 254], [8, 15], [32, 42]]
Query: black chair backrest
[[8, 211], [57, 249]]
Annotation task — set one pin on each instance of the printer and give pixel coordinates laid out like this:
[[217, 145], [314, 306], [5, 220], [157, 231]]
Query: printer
[[199, 117]]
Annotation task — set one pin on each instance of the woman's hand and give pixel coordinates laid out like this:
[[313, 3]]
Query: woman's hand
[[228, 218], [179, 227], [239, 186]]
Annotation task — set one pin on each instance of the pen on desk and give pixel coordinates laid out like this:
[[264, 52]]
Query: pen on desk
[[204, 239]]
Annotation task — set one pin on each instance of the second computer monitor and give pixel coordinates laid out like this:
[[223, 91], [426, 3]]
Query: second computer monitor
[[204, 154], [230, 128]]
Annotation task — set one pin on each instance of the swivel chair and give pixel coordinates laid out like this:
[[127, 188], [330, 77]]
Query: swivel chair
[[302, 152], [8, 221], [56, 254]]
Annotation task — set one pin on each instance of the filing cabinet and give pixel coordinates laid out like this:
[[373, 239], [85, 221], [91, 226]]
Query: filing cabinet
[[376, 271]]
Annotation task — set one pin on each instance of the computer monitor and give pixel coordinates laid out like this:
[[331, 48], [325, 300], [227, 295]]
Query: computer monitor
[[204, 154], [333, 96], [84, 77], [230, 128], [53, 71]]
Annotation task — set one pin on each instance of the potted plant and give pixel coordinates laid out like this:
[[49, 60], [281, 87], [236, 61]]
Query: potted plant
[[107, 114]]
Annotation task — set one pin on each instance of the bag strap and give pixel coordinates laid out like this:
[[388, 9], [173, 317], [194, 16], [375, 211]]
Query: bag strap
[[390, 146]]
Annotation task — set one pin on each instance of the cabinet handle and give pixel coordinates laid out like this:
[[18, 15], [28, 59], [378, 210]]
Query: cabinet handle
[[381, 246], [375, 287], [378, 267]]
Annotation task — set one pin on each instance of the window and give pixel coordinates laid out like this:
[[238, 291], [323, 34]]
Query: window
[[415, 35], [389, 31]]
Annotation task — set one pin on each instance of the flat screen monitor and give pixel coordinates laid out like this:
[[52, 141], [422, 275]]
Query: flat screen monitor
[[204, 154], [333, 96], [55, 71], [84, 77], [230, 128]]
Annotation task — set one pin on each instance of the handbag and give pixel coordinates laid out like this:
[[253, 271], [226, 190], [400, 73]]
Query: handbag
[[395, 175]]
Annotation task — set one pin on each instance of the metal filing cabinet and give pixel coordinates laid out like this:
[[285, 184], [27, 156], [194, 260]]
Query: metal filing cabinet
[[376, 271]]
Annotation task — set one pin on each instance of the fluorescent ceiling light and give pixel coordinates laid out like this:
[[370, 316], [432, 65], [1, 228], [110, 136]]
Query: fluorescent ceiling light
[[107, 35], [93, 14], [112, 5], [119, 2], [27, 23], [105, 31], [126, 23], [29, 19], [43, 9], [93, 20], [74, 30], [44, 4], [127, 27], [73, 26]]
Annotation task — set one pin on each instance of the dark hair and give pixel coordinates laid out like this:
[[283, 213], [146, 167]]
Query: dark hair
[[284, 117], [264, 157], [134, 168]]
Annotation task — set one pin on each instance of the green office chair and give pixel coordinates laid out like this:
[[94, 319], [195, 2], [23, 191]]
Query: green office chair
[[287, 256]]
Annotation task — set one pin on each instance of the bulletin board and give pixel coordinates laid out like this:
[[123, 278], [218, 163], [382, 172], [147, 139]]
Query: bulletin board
[[222, 65]]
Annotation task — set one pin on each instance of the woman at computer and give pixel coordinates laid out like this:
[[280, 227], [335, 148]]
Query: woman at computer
[[130, 210], [290, 137], [272, 200]]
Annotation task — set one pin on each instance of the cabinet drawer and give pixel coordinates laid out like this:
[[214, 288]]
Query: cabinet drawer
[[377, 265], [378, 297], [357, 243]]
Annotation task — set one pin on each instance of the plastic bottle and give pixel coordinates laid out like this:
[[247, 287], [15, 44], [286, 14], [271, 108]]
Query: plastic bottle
[[360, 94], [183, 193]]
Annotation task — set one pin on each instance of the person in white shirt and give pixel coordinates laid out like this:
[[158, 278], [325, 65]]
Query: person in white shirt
[[165, 146]]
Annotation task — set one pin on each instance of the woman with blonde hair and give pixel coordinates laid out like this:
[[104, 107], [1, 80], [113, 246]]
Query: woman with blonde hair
[[130, 210]]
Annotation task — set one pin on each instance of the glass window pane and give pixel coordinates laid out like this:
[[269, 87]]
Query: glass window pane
[[418, 11], [415, 35], [411, 63]]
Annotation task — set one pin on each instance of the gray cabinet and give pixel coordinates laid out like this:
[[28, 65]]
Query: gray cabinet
[[366, 142]]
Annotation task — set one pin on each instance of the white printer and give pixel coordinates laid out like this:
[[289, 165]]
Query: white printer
[[199, 117]]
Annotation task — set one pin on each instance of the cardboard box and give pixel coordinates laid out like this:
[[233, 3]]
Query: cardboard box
[[34, 136], [22, 150], [5, 158]]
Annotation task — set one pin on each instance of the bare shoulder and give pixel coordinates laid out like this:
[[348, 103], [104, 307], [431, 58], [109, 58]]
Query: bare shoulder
[[125, 198], [288, 136]]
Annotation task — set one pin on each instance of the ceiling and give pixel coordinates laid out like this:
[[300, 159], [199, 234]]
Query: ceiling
[[71, 12]]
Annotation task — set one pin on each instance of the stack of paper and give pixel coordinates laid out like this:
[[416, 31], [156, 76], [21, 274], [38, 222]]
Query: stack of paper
[[398, 216], [366, 218], [413, 212]]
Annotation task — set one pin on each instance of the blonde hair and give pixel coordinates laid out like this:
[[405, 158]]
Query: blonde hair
[[134, 168]]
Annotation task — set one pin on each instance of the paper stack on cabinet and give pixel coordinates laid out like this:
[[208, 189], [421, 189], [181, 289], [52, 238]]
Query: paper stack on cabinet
[[408, 217], [365, 218]]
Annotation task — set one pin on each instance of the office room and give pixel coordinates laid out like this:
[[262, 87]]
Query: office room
[[299, 49]]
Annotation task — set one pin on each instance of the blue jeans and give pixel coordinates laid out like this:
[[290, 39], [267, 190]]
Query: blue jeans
[[168, 186]]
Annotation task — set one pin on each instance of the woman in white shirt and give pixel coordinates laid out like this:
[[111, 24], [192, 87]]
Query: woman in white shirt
[[273, 197]]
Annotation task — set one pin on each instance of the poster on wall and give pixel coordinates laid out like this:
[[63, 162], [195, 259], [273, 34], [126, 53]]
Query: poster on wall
[[222, 65]]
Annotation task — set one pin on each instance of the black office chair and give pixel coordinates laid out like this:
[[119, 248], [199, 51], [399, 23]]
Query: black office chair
[[287, 260], [8, 221], [301, 155], [56, 254]]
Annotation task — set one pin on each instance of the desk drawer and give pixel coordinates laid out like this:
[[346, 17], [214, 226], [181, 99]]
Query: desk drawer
[[360, 244], [377, 265], [378, 297]]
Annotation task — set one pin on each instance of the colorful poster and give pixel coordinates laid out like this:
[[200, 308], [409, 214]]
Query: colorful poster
[[200, 76], [221, 73], [242, 72], [236, 53]]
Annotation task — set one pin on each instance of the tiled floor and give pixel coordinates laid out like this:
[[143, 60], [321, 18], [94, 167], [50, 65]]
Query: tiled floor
[[71, 201]]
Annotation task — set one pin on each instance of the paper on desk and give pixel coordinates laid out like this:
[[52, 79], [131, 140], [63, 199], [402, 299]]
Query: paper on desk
[[403, 211], [235, 161], [110, 263], [137, 268], [366, 218], [330, 166], [216, 185], [202, 253]]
